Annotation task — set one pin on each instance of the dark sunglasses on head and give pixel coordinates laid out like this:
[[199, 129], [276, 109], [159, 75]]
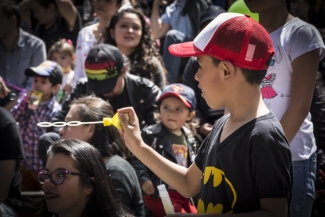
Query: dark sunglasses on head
[[57, 177]]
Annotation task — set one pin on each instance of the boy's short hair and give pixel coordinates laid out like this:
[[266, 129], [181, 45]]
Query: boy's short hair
[[252, 77], [49, 69], [182, 92], [233, 37]]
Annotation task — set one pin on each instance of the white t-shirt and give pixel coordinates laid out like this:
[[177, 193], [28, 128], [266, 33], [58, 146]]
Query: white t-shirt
[[67, 79], [291, 41], [86, 40]]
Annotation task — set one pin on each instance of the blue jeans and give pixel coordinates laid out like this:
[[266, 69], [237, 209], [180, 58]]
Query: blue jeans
[[172, 63], [304, 176]]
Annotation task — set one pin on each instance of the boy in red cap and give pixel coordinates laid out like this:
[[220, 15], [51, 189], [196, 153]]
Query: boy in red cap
[[244, 165]]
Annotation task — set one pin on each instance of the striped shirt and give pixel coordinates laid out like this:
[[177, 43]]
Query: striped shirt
[[30, 132]]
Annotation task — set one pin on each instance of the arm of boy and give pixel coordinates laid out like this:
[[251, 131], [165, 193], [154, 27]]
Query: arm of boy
[[186, 181]]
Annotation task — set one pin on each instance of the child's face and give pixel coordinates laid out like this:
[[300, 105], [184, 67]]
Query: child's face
[[174, 114], [64, 60], [210, 81], [69, 197], [44, 85], [127, 32]]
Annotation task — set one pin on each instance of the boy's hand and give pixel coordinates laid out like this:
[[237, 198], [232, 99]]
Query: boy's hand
[[148, 187], [131, 130]]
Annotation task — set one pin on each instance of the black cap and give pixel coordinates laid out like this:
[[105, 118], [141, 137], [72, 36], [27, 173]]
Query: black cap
[[210, 13], [103, 66], [47, 69]]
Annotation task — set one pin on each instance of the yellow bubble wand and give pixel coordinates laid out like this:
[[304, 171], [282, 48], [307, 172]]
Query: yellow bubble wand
[[115, 121]]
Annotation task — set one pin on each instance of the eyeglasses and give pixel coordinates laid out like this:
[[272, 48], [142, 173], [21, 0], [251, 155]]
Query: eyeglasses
[[57, 177]]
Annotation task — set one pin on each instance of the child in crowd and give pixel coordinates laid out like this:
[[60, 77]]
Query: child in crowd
[[243, 166], [28, 112], [75, 182], [63, 53], [172, 140]]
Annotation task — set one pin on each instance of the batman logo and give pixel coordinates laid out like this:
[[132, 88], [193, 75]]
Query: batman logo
[[215, 182]]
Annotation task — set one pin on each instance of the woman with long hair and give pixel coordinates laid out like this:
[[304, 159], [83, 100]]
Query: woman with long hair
[[75, 182], [109, 143], [129, 31]]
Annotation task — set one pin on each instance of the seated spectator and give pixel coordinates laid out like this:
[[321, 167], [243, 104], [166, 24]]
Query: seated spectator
[[56, 19], [178, 24], [206, 115], [11, 152], [75, 182], [18, 51], [107, 64], [93, 34], [33, 109], [62, 52], [129, 31], [109, 143]]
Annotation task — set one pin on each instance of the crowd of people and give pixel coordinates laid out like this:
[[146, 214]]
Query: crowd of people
[[220, 101]]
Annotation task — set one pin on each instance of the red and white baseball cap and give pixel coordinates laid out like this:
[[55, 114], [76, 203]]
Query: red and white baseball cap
[[233, 37]]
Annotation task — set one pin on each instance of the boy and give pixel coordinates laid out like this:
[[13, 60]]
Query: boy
[[173, 139], [244, 164], [47, 80]]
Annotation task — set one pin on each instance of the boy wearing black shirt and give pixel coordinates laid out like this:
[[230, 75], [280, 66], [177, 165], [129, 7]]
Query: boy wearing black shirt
[[244, 165]]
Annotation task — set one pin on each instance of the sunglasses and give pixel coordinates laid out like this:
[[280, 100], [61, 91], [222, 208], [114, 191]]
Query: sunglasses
[[57, 177]]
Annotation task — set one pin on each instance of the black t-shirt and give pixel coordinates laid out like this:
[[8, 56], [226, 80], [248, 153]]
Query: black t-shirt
[[11, 148], [252, 163], [59, 30]]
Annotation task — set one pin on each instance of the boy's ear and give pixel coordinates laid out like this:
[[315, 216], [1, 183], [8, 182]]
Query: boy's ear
[[56, 88], [191, 115], [229, 69]]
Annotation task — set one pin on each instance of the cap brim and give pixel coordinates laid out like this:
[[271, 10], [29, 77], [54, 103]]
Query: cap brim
[[175, 95], [101, 87], [186, 49], [32, 71]]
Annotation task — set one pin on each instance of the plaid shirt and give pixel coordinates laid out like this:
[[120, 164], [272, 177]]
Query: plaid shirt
[[29, 130]]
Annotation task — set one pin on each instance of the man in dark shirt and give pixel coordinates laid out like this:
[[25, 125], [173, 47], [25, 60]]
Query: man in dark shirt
[[11, 152]]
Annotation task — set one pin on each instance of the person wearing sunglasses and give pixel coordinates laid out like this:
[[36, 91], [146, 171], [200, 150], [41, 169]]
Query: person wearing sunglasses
[[75, 182]]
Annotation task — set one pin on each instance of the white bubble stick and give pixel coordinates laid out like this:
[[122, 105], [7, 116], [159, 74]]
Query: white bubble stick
[[167, 203]]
